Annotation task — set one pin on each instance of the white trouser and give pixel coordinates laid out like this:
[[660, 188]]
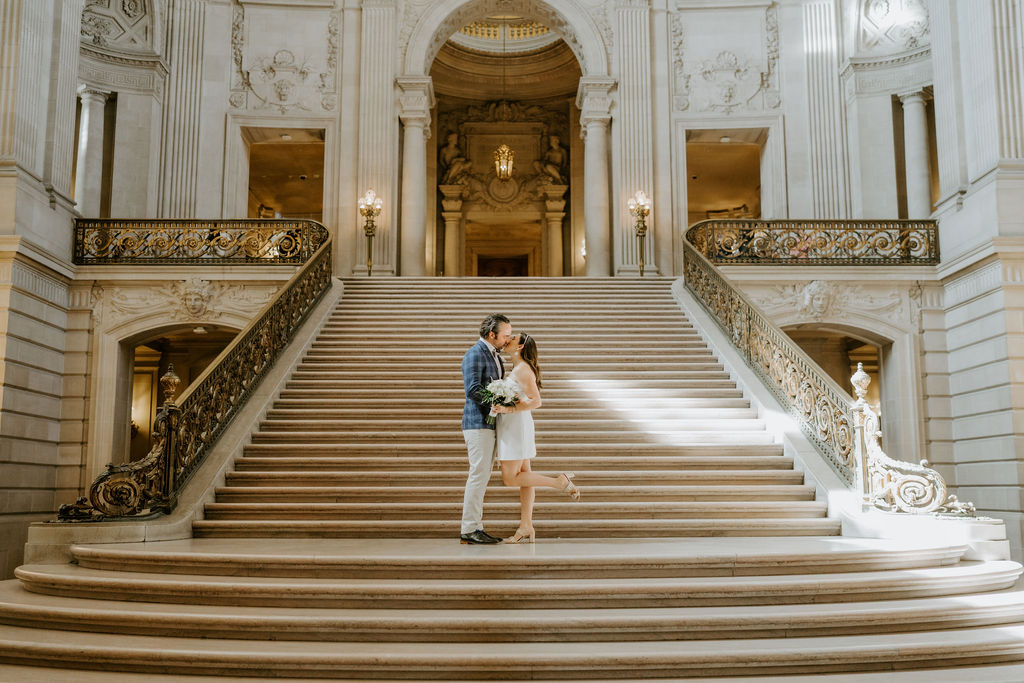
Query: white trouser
[[480, 443]]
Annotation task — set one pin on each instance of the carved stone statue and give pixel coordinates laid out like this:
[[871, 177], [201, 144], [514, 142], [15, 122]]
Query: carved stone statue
[[552, 164], [454, 163]]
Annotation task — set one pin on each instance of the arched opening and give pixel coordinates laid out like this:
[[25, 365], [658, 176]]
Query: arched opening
[[838, 350], [506, 82], [190, 348]]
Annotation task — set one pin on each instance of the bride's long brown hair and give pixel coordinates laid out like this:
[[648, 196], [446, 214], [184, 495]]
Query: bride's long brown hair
[[529, 355]]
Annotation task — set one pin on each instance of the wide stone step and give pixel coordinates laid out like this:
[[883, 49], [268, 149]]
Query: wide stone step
[[700, 492], [458, 476], [301, 460], [582, 439], [444, 379], [559, 528], [458, 451], [506, 510], [419, 423], [292, 400], [22, 608], [599, 393], [453, 410], [511, 661]]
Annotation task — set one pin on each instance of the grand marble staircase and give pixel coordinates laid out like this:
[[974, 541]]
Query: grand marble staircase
[[331, 550]]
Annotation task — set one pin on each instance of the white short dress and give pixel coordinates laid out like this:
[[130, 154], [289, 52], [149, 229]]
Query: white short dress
[[515, 437]]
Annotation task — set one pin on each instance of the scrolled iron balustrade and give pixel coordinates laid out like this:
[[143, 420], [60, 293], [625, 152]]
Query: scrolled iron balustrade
[[845, 432], [185, 432], [183, 242], [804, 242]]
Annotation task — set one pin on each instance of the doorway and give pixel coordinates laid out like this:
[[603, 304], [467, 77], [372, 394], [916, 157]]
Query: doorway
[[286, 172], [723, 173], [504, 250]]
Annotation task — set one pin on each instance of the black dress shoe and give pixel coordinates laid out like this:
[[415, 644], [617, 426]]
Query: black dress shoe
[[478, 537]]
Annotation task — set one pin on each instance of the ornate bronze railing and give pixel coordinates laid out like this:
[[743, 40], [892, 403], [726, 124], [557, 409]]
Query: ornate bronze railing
[[184, 432], [803, 242], [841, 430], [101, 241]]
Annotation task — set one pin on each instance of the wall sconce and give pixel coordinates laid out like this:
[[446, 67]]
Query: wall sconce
[[640, 207], [369, 208], [504, 160]]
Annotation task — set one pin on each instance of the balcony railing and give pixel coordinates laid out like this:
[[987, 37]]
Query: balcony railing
[[184, 432], [182, 242], [844, 431], [803, 242]]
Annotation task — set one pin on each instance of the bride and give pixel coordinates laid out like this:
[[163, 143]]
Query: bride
[[515, 442]]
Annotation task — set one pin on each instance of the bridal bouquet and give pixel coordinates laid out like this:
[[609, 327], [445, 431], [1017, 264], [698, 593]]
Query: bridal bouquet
[[500, 392]]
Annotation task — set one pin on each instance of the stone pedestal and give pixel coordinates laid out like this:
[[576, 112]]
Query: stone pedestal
[[452, 214]]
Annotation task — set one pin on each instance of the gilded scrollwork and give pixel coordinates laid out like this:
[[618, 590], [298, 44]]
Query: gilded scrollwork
[[186, 430], [196, 241], [845, 432]]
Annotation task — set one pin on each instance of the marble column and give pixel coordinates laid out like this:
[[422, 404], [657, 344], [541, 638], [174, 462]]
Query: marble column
[[452, 214], [594, 101], [415, 102], [89, 169], [554, 202], [915, 151]]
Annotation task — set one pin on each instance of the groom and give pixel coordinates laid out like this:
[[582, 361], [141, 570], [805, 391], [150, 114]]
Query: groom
[[481, 364]]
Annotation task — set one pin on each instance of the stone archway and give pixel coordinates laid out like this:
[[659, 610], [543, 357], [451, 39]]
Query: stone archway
[[580, 31], [577, 28]]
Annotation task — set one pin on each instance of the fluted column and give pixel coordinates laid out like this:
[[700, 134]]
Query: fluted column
[[415, 103], [89, 169], [378, 139], [60, 151], [915, 145], [594, 101], [826, 118], [186, 34], [633, 128]]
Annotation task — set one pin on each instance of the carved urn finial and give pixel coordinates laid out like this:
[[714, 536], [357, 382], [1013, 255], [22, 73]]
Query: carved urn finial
[[169, 383], [860, 380]]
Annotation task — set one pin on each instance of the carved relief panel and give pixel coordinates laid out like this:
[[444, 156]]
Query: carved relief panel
[[284, 61], [889, 26], [725, 61], [118, 24]]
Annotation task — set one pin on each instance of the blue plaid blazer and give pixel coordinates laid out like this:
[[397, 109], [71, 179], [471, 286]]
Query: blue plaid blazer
[[478, 370]]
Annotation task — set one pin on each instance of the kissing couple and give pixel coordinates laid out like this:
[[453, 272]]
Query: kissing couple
[[511, 439]]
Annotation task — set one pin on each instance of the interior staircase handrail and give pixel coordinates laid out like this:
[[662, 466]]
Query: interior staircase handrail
[[843, 430], [160, 241], [184, 431], [805, 242]]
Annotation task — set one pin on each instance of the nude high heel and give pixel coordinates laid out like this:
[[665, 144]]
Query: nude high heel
[[521, 536], [570, 489]]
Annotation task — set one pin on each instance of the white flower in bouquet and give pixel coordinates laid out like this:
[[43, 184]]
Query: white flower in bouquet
[[500, 392]]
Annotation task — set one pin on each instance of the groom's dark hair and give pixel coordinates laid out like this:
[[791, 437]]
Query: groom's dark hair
[[491, 324]]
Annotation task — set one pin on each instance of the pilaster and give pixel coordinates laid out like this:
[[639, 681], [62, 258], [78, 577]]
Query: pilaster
[[635, 141], [182, 109], [348, 140], [378, 127], [827, 128]]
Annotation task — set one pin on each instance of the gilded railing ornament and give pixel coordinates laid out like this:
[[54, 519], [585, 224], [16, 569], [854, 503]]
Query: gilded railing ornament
[[845, 432], [894, 485], [185, 431], [803, 242], [102, 241]]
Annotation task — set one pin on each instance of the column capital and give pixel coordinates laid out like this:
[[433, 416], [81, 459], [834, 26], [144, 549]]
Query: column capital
[[90, 93], [415, 101], [913, 96], [594, 99]]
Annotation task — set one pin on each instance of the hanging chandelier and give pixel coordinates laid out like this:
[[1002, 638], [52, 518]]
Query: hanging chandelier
[[504, 157]]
